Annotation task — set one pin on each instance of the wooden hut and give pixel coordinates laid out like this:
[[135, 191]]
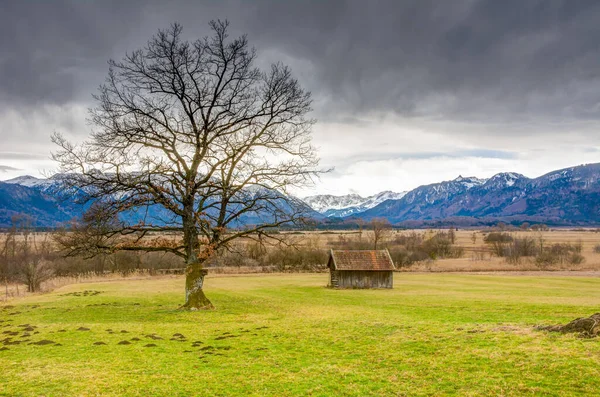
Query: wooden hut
[[361, 269]]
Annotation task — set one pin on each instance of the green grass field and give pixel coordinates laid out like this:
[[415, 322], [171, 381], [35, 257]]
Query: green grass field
[[287, 335]]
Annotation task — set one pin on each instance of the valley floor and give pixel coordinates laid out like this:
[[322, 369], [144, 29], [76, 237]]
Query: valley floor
[[288, 335]]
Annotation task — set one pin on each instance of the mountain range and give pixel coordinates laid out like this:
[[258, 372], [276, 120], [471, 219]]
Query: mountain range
[[569, 196]]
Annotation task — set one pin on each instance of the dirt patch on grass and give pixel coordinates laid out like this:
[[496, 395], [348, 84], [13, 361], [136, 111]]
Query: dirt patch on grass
[[83, 293], [226, 337], [44, 342], [179, 337]]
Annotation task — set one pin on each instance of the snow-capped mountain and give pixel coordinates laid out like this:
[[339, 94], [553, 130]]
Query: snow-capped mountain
[[350, 204], [504, 180], [442, 191], [30, 181]]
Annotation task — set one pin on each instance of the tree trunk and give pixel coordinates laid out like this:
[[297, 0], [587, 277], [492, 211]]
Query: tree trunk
[[194, 294], [194, 272]]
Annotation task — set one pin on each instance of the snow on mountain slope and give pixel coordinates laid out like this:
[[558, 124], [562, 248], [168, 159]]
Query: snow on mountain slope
[[379, 198], [29, 181], [324, 202], [504, 180], [340, 206]]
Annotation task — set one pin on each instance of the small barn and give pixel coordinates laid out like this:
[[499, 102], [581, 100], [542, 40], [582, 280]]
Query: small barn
[[361, 269]]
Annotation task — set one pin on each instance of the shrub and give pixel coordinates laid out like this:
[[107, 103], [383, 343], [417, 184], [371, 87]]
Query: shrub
[[545, 259], [440, 246], [499, 237], [564, 253], [576, 259], [404, 258], [255, 250], [412, 241], [514, 249], [597, 248]]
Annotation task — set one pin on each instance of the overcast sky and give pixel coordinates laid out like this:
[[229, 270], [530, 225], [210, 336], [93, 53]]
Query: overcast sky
[[405, 92]]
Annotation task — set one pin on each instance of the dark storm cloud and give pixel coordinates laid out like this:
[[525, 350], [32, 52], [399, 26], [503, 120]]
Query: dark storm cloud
[[477, 60], [465, 60], [52, 52]]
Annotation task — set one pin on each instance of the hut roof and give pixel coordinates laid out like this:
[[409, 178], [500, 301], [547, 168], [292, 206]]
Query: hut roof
[[361, 260]]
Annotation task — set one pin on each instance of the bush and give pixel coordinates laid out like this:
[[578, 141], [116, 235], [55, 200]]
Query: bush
[[515, 249], [597, 248], [404, 258], [576, 259], [545, 259], [497, 237], [440, 246], [412, 241], [564, 253]]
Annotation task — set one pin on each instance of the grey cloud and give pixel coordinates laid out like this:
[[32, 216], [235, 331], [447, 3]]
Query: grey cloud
[[485, 153], [378, 156], [56, 52], [465, 60], [22, 156], [473, 60], [6, 168]]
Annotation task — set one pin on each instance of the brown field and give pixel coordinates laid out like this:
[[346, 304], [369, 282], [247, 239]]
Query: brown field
[[477, 256]]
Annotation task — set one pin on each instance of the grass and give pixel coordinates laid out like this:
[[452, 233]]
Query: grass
[[287, 335]]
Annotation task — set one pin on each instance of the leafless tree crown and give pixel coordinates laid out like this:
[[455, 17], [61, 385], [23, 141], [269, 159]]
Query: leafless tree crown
[[197, 129]]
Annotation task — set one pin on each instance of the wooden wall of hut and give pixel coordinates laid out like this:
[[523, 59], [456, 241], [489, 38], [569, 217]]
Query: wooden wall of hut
[[361, 279]]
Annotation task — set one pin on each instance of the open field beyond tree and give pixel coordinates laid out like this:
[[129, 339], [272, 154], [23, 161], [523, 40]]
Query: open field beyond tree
[[288, 335]]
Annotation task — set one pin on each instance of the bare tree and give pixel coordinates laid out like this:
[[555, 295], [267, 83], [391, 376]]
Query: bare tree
[[7, 253], [452, 235], [361, 223], [30, 255], [35, 260], [196, 129], [381, 228]]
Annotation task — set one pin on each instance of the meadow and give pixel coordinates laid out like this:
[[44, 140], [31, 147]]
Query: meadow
[[288, 335]]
